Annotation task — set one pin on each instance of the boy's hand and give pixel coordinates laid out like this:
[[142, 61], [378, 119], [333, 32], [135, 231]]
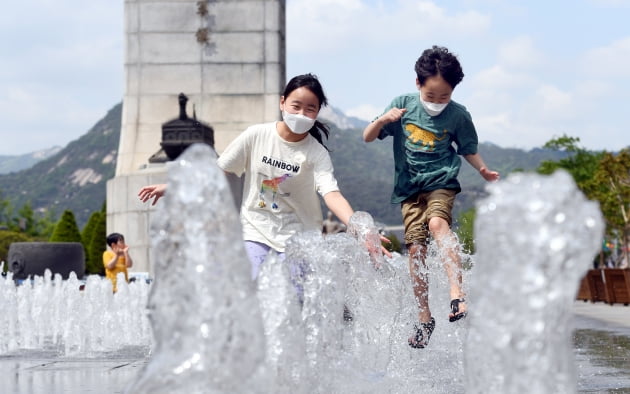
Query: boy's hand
[[393, 115], [488, 175], [373, 128]]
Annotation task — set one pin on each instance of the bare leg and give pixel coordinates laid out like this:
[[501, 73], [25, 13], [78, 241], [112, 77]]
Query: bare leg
[[447, 242], [420, 280]]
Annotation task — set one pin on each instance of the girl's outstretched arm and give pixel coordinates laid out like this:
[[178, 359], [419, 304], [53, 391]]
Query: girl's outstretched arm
[[152, 191], [337, 203]]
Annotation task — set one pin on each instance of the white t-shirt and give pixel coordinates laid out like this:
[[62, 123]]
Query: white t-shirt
[[282, 180]]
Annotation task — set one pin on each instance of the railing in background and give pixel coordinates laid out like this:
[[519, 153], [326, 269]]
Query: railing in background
[[609, 285]]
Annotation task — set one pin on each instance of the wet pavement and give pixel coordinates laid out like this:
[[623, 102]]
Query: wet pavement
[[601, 338], [39, 376], [602, 347]]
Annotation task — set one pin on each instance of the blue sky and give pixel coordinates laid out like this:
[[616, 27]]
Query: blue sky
[[534, 69]]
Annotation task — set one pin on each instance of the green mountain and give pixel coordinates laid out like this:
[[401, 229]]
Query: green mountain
[[20, 162], [365, 172], [75, 177]]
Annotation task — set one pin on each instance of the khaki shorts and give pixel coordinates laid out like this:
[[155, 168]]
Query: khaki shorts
[[419, 208]]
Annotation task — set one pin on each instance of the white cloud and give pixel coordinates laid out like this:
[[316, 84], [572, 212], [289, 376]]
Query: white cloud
[[551, 101], [494, 127], [336, 25], [366, 112], [609, 61], [47, 117], [498, 77], [325, 25], [612, 3], [520, 53], [61, 72], [591, 90], [512, 130]]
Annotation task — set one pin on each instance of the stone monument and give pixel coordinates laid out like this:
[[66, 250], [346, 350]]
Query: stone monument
[[227, 57]]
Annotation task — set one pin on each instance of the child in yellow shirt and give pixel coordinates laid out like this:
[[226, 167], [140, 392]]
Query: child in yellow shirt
[[117, 259]]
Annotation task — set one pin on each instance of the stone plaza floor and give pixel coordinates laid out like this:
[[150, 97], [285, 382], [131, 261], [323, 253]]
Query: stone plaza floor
[[601, 343]]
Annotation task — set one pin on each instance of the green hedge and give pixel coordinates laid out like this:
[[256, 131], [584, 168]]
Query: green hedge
[[66, 229], [96, 246]]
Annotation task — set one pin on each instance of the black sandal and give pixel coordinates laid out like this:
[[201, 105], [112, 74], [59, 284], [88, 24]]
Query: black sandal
[[455, 310], [423, 333]]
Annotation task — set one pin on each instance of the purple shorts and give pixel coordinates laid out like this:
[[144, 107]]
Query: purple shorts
[[257, 253]]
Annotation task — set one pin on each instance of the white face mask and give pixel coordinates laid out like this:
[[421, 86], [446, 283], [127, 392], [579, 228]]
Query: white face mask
[[433, 109], [299, 124]]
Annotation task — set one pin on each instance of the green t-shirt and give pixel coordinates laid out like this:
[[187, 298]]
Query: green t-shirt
[[424, 156]]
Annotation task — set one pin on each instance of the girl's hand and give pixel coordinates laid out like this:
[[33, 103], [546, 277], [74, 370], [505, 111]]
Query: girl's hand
[[376, 254], [384, 249], [152, 191]]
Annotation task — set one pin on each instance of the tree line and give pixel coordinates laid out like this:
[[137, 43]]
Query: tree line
[[603, 177], [26, 225]]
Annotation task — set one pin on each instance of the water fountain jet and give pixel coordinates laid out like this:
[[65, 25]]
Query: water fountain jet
[[215, 331], [536, 238]]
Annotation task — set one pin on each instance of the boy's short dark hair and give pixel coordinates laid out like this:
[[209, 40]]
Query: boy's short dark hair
[[114, 238], [439, 61]]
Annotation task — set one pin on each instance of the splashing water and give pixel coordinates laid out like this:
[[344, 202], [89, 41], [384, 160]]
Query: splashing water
[[526, 282], [49, 316], [203, 307], [217, 331]]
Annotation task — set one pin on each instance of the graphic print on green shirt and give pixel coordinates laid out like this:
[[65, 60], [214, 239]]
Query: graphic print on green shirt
[[422, 137]]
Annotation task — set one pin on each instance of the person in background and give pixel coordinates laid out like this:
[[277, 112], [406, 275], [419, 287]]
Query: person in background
[[117, 259], [430, 131]]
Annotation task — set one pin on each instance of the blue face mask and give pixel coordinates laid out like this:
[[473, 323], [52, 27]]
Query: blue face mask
[[433, 109], [299, 124]]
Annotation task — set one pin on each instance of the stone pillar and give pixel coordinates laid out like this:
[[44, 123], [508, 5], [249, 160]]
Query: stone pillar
[[227, 56]]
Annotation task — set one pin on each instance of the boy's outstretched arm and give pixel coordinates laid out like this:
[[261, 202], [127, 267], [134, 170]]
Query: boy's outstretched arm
[[374, 128], [477, 162]]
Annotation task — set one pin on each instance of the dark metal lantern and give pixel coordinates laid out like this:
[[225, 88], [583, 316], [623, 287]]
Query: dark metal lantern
[[178, 134]]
